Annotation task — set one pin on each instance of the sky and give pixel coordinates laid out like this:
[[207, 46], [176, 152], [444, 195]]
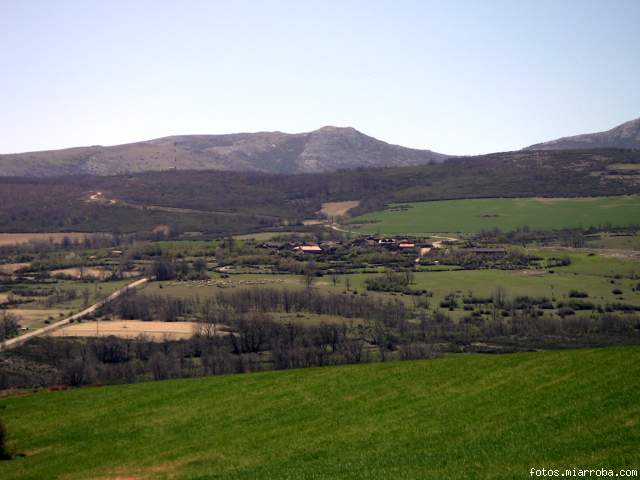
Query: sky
[[456, 76]]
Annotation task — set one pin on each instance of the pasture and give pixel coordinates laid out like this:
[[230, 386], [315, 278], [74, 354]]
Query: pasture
[[507, 214], [480, 416], [532, 283], [597, 275]]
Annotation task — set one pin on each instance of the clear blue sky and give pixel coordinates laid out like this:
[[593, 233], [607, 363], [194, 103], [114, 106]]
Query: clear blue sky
[[459, 77]]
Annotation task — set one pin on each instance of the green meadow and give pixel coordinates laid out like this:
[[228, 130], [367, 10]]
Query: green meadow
[[597, 275], [462, 416], [475, 215]]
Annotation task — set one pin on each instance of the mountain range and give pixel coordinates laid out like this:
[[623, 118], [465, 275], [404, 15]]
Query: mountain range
[[324, 150], [626, 135]]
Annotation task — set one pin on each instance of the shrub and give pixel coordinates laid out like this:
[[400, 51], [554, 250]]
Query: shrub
[[564, 311], [616, 291], [581, 305], [578, 294]]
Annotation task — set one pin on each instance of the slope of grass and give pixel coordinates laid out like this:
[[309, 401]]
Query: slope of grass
[[472, 216], [454, 417]]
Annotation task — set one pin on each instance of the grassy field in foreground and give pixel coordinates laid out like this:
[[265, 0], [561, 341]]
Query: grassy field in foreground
[[472, 216], [463, 416]]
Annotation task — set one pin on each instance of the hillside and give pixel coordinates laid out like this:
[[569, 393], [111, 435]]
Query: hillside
[[237, 202], [626, 135], [323, 150], [454, 417]]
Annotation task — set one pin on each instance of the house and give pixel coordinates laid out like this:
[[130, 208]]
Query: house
[[385, 242], [308, 249], [406, 245]]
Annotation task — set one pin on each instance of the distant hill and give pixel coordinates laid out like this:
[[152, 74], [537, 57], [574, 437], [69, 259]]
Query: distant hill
[[626, 135], [324, 150]]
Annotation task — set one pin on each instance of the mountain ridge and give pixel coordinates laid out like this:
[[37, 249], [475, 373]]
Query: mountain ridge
[[323, 150], [625, 135]]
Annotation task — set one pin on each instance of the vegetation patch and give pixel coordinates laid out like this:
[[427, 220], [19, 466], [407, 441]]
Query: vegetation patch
[[473, 216]]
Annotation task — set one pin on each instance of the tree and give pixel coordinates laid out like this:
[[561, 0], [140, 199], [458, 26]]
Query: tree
[[499, 297], [4, 448], [200, 268], [86, 295], [163, 269], [9, 326], [310, 273], [208, 325]]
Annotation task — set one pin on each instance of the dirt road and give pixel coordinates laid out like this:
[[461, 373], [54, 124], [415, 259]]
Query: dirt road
[[14, 342]]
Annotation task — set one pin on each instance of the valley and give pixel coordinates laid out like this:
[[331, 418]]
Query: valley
[[285, 240]]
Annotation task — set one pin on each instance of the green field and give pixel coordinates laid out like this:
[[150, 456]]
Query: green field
[[472, 216], [483, 283], [619, 242], [592, 274], [454, 417]]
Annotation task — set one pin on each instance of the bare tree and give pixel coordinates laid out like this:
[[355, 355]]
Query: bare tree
[[208, 325], [310, 273]]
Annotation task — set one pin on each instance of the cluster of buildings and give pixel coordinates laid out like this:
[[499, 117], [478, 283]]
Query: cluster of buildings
[[392, 244], [387, 243]]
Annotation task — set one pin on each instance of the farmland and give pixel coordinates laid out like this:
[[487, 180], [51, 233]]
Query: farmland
[[257, 302], [129, 329], [493, 416], [472, 216], [593, 274]]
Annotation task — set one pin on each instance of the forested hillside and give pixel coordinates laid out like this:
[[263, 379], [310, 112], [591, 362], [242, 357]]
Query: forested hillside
[[226, 202]]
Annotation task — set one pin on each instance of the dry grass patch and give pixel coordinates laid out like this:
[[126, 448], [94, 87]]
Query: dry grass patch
[[338, 209], [75, 272], [11, 268], [55, 237], [155, 330]]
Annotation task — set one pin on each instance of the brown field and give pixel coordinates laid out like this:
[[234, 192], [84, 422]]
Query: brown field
[[155, 330], [55, 237], [10, 268], [338, 209], [99, 273]]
